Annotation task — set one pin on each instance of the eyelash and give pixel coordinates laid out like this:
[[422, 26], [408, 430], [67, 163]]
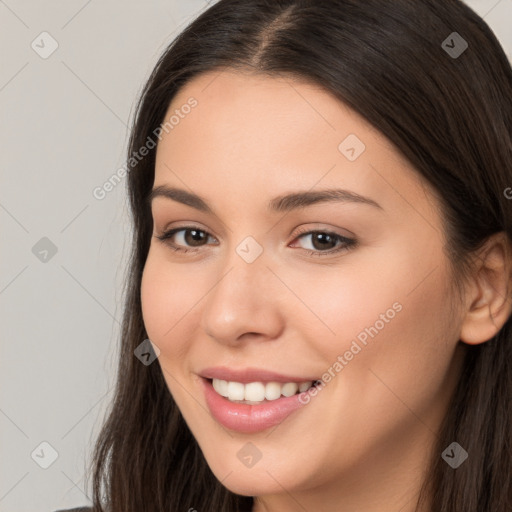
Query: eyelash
[[346, 243]]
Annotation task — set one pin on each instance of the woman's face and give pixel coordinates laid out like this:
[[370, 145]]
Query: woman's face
[[270, 285]]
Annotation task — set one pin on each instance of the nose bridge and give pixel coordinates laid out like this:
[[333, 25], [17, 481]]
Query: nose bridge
[[240, 300], [242, 281]]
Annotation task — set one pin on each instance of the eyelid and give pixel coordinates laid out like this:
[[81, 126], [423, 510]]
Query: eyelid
[[315, 227], [167, 228], [319, 227]]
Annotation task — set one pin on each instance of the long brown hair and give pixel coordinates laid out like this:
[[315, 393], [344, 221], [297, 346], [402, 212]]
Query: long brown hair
[[449, 114]]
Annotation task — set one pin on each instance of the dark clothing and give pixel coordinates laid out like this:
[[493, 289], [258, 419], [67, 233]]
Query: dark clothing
[[79, 509]]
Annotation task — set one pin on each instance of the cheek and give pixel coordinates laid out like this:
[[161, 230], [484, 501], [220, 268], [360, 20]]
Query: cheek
[[407, 349], [155, 301], [167, 298], [392, 312], [337, 304]]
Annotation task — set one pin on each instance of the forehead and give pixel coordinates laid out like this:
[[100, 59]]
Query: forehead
[[251, 132]]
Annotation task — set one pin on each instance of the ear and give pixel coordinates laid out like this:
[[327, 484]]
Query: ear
[[488, 297]]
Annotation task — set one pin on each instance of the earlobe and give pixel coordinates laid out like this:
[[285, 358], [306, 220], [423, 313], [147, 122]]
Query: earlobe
[[489, 301]]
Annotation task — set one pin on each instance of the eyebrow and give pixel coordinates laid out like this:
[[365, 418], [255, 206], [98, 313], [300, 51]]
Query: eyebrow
[[283, 203]]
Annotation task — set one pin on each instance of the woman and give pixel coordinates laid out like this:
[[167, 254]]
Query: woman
[[322, 221]]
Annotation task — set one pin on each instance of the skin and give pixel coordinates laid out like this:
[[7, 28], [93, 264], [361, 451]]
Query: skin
[[363, 442]]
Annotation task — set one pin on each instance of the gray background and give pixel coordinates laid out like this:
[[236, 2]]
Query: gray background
[[64, 131]]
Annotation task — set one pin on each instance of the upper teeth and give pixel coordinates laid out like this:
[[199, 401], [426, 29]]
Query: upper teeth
[[257, 391]]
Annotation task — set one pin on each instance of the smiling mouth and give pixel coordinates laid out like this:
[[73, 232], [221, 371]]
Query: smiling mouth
[[255, 393]]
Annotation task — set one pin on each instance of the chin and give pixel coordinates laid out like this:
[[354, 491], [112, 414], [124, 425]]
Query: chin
[[250, 486], [261, 479]]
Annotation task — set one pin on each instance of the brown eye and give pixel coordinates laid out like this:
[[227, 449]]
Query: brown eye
[[190, 238], [194, 237], [187, 239], [326, 242], [322, 241]]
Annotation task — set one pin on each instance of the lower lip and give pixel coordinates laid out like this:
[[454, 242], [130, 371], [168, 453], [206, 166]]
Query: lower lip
[[249, 418]]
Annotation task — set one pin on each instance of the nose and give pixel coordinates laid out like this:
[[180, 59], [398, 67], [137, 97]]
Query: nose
[[245, 303]]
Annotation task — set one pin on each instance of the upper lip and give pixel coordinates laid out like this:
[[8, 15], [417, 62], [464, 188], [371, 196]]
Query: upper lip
[[245, 375]]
